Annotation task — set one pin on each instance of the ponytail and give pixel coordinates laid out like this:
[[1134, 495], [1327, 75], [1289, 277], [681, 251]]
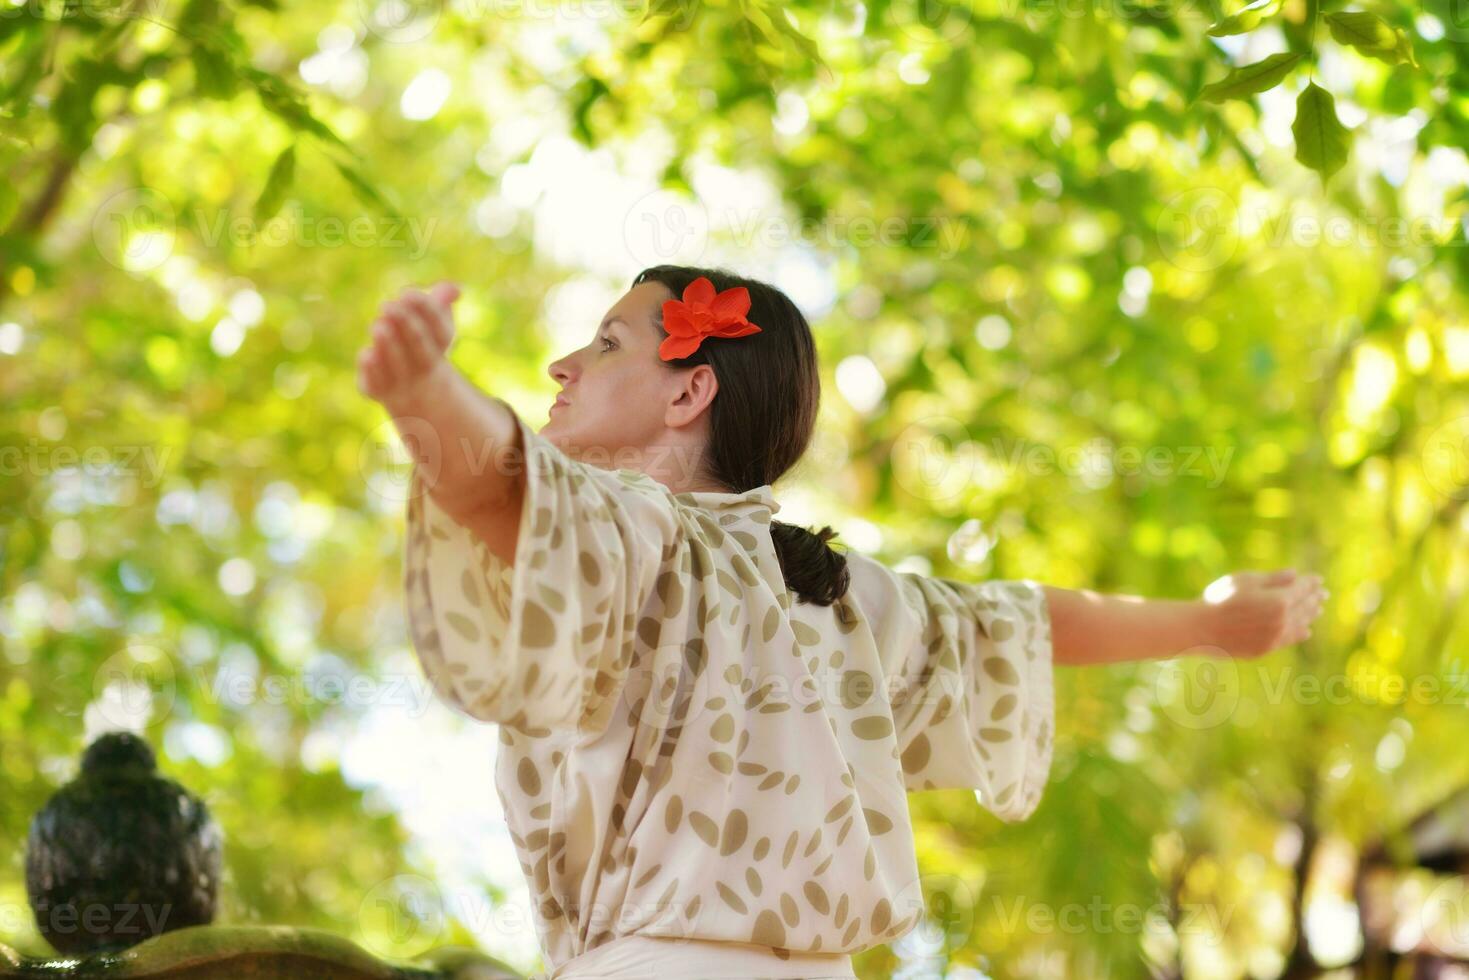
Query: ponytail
[[813, 570]]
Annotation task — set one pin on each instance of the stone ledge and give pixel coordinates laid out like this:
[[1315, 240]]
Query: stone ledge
[[254, 953]]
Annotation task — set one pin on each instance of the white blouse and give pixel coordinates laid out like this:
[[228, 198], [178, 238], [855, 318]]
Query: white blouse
[[685, 749]]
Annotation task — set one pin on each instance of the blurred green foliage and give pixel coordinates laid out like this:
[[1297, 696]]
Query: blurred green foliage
[[1111, 333]]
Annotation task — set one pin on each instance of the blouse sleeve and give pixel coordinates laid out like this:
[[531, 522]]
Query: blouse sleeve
[[968, 671], [545, 643]]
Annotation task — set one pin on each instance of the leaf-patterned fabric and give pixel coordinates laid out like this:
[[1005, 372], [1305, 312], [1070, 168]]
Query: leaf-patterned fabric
[[685, 749]]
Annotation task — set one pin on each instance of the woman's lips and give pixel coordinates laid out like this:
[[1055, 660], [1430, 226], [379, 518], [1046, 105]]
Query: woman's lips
[[559, 402]]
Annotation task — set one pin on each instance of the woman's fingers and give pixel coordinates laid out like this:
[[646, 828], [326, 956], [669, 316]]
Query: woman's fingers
[[413, 332], [1308, 608], [367, 364], [390, 353], [444, 293], [367, 380], [434, 315]]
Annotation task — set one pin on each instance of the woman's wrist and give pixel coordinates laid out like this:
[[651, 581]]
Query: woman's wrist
[[459, 438], [1205, 632]]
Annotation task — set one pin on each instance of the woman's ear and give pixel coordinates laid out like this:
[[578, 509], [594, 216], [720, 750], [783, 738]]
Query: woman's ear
[[698, 386]]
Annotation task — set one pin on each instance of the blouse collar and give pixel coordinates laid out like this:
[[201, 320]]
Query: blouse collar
[[761, 496]]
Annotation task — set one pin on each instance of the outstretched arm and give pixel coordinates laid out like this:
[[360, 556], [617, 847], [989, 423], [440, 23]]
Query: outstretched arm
[[465, 444], [1242, 615]]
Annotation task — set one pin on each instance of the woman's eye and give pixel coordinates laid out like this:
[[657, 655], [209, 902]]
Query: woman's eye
[[607, 345]]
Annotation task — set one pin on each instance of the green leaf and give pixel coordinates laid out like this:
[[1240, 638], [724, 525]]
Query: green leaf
[[1405, 47], [1250, 79], [1246, 20], [589, 91], [778, 32], [364, 190], [1366, 32], [214, 78], [288, 105], [1372, 36], [282, 173], [1322, 141]]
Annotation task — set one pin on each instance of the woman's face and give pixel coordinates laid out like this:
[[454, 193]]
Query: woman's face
[[619, 402]]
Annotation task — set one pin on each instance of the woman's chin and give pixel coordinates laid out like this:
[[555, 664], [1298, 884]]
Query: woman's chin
[[553, 432]]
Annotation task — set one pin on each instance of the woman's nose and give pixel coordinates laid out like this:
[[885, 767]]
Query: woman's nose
[[561, 370]]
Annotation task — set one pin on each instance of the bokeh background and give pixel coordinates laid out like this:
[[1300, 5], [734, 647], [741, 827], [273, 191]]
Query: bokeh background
[[1078, 322]]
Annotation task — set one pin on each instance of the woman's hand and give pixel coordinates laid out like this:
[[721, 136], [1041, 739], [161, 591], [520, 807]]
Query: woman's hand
[[1255, 612], [409, 339]]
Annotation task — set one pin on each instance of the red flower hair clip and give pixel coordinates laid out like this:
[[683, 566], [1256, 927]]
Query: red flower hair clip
[[702, 314]]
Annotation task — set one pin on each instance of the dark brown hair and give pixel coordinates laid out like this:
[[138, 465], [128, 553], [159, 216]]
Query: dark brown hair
[[762, 418]]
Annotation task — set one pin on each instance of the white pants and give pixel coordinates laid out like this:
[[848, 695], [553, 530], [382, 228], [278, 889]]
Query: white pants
[[660, 958]]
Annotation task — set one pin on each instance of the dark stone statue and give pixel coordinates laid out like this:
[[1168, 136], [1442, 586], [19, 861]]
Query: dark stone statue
[[121, 853], [122, 871]]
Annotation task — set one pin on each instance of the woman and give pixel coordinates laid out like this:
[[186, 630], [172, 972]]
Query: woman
[[709, 718]]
